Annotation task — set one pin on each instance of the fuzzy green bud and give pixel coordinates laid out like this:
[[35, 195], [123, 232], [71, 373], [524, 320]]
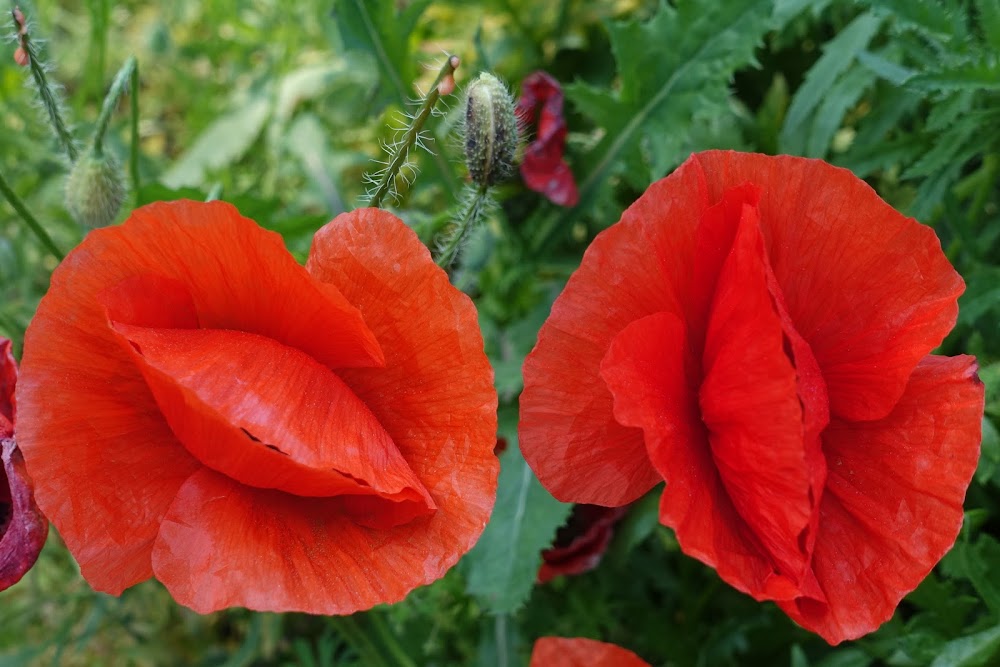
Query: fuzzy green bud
[[95, 189], [490, 131]]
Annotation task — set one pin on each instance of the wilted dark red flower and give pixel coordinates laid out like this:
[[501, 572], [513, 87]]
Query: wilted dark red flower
[[22, 527], [579, 652], [756, 332], [198, 407], [543, 169], [581, 542]]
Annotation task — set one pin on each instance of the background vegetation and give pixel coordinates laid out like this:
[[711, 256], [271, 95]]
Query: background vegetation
[[280, 107]]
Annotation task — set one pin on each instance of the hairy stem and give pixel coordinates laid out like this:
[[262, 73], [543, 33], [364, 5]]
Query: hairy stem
[[473, 213], [118, 88], [400, 151], [133, 160]]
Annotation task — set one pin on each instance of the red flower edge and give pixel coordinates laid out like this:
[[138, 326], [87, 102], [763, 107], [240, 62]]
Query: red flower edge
[[748, 299], [543, 168], [23, 528], [256, 522], [580, 652]]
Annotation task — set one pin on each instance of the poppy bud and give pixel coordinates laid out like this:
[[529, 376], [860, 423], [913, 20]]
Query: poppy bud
[[95, 189], [490, 131]]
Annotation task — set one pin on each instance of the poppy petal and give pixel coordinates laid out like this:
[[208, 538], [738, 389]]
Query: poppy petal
[[23, 527], [750, 405], [579, 652], [580, 544], [638, 267], [647, 370], [8, 381], [272, 417], [84, 402], [866, 319], [893, 501]]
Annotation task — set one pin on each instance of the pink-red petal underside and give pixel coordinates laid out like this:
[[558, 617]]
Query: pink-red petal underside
[[893, 501], [23, 528], [867, 288]]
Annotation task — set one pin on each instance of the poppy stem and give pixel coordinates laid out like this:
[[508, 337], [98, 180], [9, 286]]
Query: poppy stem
[[50, 100], [118, 87], [373, 642], [399, 151], [133, 161], [29, 219], [475, 209]]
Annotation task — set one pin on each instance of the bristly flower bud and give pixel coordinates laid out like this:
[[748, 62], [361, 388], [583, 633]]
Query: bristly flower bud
[[490, 131], [95, 189]]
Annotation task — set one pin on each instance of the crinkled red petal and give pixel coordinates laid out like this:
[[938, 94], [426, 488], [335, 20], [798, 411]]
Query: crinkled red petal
[[893, 501], [867, 288], [8, 381], [641, 266], [543, 168], [579, 652], [83, 403], [272, 417], [284, 552]]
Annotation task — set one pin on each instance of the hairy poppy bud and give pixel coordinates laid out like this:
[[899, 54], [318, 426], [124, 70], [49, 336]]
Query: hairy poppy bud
[[95, 189], [490, 130]]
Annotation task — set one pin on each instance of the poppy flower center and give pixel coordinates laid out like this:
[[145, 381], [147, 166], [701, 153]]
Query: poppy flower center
[[267, 414]]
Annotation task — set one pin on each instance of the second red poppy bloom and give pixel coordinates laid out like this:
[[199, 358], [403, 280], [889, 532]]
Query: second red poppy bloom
[[756, 332], [196, 406]]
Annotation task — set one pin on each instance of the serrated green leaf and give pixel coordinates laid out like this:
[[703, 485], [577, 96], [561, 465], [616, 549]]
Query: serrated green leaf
[[841, 98], [674, 66], [988, 12], [220, 144], [884, 68], [982, 74], [501, 569], [838, 56], [941, 21], [972, 651], [945, 150], [976, 563]]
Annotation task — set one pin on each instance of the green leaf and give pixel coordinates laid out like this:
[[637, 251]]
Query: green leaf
[[972, 651], [989, 459], [674, 67], [976, 562], [983, 74], [941, 21], [838, 56], [220, 144], [989, 21], [841, 98], [502, 567]]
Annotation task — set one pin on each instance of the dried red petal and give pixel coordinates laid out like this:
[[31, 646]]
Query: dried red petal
[[579, 652], [23, 527], [189, 339], [543, 168], [754, 316], [581, 542]]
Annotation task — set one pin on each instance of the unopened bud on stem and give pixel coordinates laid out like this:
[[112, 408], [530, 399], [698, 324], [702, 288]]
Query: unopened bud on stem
[[490, 131], [95, 189]]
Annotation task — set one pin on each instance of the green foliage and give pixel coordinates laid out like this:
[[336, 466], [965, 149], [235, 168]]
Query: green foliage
[[502, 567]]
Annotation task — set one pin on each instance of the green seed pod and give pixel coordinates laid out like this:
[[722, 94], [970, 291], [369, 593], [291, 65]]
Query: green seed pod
[[95, 189], [490, 131]]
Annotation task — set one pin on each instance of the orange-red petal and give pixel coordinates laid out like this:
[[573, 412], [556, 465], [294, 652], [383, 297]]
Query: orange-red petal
[[893, 501], [434, 397], [638, 267], [272, 417], [580, 652], [105, 462], [867, 288]]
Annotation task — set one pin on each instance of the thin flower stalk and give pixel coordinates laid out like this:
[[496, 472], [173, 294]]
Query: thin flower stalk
[[30, 220]]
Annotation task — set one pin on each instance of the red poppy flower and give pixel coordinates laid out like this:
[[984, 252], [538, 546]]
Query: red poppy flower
[[581, 542], [22, 527], [756, 332], [578, 652], [543, 167], [198, 407]]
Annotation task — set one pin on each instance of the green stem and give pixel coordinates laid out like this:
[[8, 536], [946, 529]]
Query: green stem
[[371, 640], [410, 138], [133, 160], [500, 634], [118, 88], [474, 210], [45, 92], [29, 219]]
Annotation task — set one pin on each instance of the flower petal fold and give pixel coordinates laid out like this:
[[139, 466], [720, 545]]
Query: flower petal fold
[[846, 261], [23, 528], [272, 417], [893, 501]]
